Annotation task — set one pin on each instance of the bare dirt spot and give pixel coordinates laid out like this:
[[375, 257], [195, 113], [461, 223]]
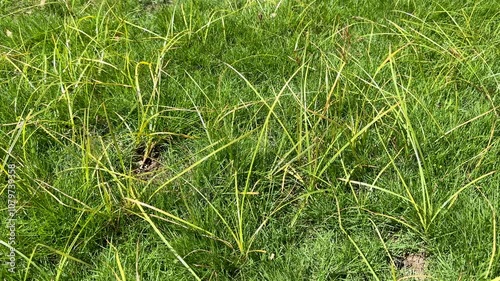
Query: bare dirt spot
[[147, 160], [413, 266], [147, 165]]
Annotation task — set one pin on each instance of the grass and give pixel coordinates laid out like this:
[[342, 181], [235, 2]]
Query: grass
[[250, 140]]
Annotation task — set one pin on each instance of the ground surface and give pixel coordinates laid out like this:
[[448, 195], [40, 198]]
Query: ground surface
[[250, 140]]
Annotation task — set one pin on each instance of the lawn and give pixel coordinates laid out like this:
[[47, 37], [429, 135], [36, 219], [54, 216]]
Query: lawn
[[249, 140]]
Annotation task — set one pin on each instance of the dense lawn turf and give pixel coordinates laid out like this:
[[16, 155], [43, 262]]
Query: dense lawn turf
[[250, 140]]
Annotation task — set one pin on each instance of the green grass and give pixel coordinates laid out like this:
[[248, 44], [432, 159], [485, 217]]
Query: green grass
[[294, 140]]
